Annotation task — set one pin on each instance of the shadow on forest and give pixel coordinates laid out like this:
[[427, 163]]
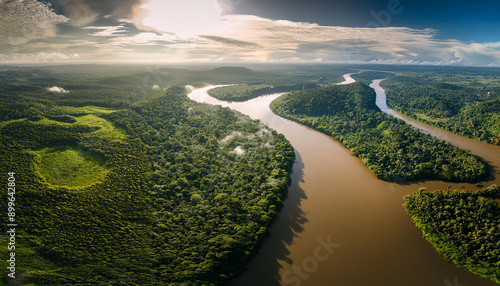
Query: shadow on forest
[[264, 267]]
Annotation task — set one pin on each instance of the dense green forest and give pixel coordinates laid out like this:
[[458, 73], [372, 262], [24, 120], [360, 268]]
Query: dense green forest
[[465, 102], [26, 88], [392, 149], [246, 92], [463, 226], [218, 179], [294, 80], [117, 185]]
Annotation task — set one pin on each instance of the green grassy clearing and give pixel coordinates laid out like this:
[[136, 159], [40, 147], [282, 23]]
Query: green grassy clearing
[[4, 123], [86, 109], [69, 166], [106, 129]]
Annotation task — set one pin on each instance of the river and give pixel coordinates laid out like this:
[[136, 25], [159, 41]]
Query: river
[[347, 79], [339, 224]]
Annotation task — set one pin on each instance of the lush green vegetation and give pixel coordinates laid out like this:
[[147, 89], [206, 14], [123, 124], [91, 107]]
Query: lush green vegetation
[[296, 79], [218, 179], [463, 226], [146, 188], [74, 235], [69, 166], [392, 149], [465, 101]]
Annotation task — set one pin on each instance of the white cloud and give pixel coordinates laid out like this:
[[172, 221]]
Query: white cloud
[[24, 20], [57, 89], [145, 39], [308, 42], [228, 138], [107, 31], [37, 58], [238, 151]]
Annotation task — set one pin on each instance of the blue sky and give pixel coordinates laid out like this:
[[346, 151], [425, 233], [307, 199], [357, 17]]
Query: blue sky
[[178, 31]]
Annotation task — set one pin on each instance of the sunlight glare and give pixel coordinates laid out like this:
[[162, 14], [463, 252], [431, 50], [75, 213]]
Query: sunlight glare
[[186, 18]]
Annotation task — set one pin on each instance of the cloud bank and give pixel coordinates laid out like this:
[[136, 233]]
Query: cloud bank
[[37, 57], [24, 20], [136, 31], [85, 12]]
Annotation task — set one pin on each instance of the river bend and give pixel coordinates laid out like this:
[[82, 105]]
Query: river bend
[[339, 224]]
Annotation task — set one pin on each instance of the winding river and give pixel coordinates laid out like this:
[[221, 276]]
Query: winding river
[[340, 225]]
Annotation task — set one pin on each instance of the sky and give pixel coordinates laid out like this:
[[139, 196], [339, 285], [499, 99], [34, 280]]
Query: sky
[[438, 32]]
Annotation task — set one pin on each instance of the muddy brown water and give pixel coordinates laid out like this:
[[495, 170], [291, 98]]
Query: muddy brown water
[[339, 224]]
